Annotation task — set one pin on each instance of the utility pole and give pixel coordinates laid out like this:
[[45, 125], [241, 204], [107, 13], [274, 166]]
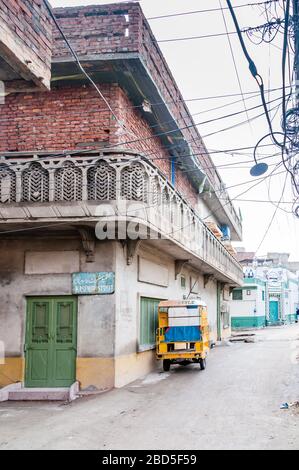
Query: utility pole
[[296, 71], [296, 40]]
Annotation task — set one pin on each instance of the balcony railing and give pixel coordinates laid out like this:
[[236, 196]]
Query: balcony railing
[[41, 187]]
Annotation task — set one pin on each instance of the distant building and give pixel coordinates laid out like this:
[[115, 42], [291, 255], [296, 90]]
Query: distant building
[[270, 291], [248, 304]]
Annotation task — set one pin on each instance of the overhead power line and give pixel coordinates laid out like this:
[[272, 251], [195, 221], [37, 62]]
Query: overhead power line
[[202, 98], [235, 64], [238, 124], [273, 216], [260, 180], [218, 118], [215, 35], [209, 10]]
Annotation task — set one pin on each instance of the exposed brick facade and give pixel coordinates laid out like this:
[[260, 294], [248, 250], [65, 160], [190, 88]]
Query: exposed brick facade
[[98, 29], [31, 24], [66, 118], [152, 147]]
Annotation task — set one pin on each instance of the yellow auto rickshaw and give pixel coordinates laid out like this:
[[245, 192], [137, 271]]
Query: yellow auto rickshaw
[[182, 335]]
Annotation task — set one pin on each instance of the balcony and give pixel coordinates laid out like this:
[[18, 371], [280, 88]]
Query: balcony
[[110, 186], [228, 214]]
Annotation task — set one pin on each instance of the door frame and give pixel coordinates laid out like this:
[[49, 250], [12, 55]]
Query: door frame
[[27, 330]]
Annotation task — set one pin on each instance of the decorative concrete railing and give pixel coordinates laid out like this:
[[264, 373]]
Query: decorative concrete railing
[[37, 187]]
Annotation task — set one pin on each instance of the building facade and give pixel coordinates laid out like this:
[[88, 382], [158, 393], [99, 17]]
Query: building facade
[[248, 304], [275, 283], [103, 210]]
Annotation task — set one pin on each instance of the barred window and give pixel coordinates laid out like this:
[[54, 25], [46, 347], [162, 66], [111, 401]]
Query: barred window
[[237, 294]]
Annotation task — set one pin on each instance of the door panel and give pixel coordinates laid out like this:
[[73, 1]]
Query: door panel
[[37, 342], [64, 367], [273, 310], [39, 366], [40, 322], [65, 342], [51, 342]]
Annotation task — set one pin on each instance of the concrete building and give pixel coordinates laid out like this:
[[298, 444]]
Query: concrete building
[[275, 283], [248, 304], [103, 213]]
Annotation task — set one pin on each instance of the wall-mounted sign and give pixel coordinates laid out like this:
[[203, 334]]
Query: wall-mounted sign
[[93, 283]]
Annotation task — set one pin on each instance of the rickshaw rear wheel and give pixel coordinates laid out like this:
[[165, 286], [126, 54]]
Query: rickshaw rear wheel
[[202, 364], [166, 365]]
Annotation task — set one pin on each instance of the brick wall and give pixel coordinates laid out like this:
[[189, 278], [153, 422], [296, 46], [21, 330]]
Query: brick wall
[[30, 22], [150, 147], [66, 118], [98, 29]]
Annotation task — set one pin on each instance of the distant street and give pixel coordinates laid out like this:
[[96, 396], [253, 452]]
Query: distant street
[[233, 404]]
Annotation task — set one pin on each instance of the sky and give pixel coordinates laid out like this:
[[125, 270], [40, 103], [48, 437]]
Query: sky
[[209, 67]]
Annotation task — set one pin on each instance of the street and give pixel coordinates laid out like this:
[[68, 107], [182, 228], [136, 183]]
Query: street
[[233, 404]]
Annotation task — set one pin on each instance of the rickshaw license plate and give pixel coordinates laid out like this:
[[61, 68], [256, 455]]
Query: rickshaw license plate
[[180, 345]]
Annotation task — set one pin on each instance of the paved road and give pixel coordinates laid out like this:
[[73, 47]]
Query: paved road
[[233, 404]]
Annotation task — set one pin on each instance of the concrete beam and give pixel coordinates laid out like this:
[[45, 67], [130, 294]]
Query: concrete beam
[[22, 59]]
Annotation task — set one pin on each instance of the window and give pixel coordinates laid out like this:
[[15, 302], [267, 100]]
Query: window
[[148, 322], [248, 292], [263, 295], [183, 282], [237, 294]]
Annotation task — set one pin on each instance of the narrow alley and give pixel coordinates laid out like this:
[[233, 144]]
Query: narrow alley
[[233, 404]]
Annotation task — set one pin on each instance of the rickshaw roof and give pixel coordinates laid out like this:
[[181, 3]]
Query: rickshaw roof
[[182, 303]]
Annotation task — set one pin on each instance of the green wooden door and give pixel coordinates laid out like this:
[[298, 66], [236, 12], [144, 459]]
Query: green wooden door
[[51, 340], [273, 311]]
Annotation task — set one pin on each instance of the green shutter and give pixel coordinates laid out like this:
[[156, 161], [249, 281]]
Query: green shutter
[[148, 322]]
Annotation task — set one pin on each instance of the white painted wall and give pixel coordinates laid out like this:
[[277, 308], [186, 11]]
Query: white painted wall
[[250, 303], [242, 308]]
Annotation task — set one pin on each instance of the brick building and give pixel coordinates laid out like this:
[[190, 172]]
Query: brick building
[[71, 169]]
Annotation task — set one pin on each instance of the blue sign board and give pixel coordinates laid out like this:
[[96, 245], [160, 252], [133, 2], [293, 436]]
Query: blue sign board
[[93, 283]]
